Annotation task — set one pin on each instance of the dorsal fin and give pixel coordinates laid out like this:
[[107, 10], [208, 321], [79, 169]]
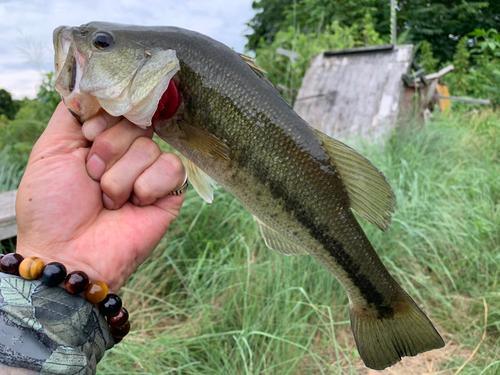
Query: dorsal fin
[[251, 63], [369, 192]]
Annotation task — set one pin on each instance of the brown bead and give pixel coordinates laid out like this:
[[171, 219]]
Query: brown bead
[[117, 339], [31, 268], [10, 263], [96, 291], [121, 332], [76, 282], [119, 319]]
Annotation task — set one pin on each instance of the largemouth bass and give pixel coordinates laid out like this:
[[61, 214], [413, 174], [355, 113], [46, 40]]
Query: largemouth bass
[[219, 111]]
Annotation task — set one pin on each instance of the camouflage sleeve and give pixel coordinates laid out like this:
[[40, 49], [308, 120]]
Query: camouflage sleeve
[[46, 330]]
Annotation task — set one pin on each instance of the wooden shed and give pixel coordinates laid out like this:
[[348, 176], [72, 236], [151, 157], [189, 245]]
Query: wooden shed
[[354, 92]]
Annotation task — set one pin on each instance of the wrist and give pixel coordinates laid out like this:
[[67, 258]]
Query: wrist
[[76, 282], [114, 283]]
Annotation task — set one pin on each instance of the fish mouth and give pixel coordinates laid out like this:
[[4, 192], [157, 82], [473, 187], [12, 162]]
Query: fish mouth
[[69, 64], [65, 62]]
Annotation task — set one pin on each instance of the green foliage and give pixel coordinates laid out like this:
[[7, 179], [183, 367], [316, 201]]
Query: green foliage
[[287, 74], [18, 136], [370, 36], [440, 22], [8, 106], [458, 80], [11, 171], [309, 16], [48, 97], [487, 43], [477, 69], [426, 58], [461, 57], [214, 300]]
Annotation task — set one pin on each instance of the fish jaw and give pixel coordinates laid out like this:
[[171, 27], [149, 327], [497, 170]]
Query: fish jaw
[[70, 64], [88, 82]]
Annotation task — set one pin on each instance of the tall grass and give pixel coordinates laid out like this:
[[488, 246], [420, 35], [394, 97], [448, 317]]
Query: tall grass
[[11, 172], [214, 300]]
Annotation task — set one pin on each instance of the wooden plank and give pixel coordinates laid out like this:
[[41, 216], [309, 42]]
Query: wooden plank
[[441, 73], [387, 47], [8, 222], [466, 100], [429, 77]]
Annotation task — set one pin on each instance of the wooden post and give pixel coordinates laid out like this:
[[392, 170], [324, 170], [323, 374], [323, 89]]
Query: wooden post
[[8, 223], [394, 33], [466, 100]]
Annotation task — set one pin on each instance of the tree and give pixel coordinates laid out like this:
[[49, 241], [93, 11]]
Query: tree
[[441, 22], [8, 106]]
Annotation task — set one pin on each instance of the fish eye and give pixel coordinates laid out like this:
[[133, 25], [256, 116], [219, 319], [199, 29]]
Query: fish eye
[[102, 40]]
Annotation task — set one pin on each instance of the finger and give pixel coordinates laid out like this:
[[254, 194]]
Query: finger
[[63, 134], [98, 124], [111, 145], [117, 183], [167, 173]]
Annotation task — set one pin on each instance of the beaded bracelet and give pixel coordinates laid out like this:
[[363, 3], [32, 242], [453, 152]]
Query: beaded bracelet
[[76, 282]]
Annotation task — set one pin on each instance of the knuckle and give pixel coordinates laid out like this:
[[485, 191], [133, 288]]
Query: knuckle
[[109, 186], [105, 147], [142, 188], [174, 164], [145, 146]]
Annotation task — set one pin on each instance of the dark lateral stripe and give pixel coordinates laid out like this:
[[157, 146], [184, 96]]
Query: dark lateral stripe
[[320, 233], [246, 158]]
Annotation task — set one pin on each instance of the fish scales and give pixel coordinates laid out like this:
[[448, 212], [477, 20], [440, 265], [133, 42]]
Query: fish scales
[[263, 129], [233, 126]]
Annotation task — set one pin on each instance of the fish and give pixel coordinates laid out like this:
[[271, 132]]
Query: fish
[[216, 108]]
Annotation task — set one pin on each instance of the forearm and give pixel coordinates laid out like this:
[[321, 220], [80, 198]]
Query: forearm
[[46, 329]]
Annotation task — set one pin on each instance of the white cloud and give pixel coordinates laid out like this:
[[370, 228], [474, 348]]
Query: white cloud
[[32, 22]]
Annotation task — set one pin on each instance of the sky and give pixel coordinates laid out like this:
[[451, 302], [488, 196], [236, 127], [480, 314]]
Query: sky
[[26, 29]]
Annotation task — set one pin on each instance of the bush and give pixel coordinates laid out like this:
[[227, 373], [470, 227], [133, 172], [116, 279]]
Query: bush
[[18, 136], [288, 74], [477, 69]]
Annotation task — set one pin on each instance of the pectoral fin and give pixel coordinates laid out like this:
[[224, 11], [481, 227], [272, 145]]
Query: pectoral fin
[[204, 142], [202, 183], [369, 192], [278, 242]]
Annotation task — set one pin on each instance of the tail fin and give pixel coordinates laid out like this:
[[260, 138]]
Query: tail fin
[[382, 342]]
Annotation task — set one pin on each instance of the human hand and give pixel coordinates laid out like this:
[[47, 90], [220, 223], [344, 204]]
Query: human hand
[[100, 208]]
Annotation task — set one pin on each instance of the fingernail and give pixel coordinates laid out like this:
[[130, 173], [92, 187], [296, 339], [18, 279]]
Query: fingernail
[[135, 201], [94, 127], [95, 167], [108, 203]]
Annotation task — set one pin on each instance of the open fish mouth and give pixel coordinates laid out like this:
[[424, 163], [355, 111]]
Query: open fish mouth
[[70, 64], [141, 92]]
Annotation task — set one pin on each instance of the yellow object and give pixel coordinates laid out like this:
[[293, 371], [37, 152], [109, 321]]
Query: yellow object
[[96, 291], [444, 104], [31, 268]]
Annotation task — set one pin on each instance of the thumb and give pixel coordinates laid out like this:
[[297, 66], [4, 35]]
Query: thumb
[[63, 133]]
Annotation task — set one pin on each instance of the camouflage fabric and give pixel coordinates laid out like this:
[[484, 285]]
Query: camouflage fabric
[[47, 330]]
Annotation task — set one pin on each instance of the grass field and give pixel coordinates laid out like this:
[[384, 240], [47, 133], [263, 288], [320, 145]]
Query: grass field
[[214, 300]]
